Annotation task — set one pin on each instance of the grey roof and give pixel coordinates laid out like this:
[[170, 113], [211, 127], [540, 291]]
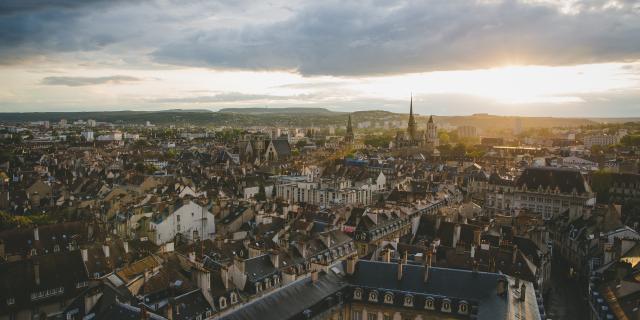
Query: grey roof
[[282, 147], [259, 267], [563, 178], [291, 300]]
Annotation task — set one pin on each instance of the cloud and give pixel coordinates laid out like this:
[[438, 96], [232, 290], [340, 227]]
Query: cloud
[[329, 37], [374, 38], [233, 97], [87, 81]]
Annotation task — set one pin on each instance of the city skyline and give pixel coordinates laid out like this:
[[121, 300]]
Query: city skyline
[[530, 58]]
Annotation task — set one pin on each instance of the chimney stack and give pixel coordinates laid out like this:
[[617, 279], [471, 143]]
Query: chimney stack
[[314, 276], [85, 255], [36, 271], [514, 254], [523, 291], [387, 255], [477, 237], [427, 266], [351, 264], [126, 247], [36, 234], [502, 287], [274, 255], [105, 248], [456, 234], [401, 266]]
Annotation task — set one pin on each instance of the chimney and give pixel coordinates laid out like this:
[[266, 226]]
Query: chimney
[[126, 247], [85, 255], [387, 255], [170, 304], [514, 254], [351, 264], [218, 242], [314, 276], [224, 272], [523, 291], [327, 239], [105, 248], [239, 262], [427, 266], [477, 237], [502, 287], [36, 271], [473, 251], [456, 234], [274, 255], [401, 267], [36, 234]]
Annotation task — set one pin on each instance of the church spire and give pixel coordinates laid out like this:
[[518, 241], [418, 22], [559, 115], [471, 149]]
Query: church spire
[[412, 127], [349, 137]]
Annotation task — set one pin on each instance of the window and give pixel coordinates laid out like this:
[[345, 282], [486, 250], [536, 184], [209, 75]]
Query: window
[[234, 298], [388, 298], [408, 301], [56, 248], [208, 314], [178, 217], [11, 301], [199, 317], [356, 315], [373, 296], [357, 294], [372, 316], [429, 304], [446, 305], [223, 302], [463, 307], [386, 317]]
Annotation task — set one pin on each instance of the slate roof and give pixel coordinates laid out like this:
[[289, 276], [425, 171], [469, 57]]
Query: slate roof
[[282, 147], [18, 279], [291, 300], [478, 287], [548, 177]]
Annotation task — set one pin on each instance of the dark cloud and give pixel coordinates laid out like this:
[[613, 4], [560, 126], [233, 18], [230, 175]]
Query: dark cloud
[[344, 38], [324, 37], [87, 81]]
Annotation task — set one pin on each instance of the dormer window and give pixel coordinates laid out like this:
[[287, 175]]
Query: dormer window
[[388, 298], [56, 248], [373, 296], [429, 304], [408, 300], [34, 252], [223, 302], [234, 298], [446, 305], [357, 294], [208, 313], [463, 308], [11, 301]]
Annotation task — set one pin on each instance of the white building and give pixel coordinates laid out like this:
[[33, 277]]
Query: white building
[[190, 220], [601, 140], [88, 135], [324, 193]]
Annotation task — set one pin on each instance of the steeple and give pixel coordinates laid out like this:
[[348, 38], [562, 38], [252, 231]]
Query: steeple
[[349, 136], [412, 127]]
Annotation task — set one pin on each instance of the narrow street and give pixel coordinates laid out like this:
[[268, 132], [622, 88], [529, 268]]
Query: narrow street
[[565, 299]]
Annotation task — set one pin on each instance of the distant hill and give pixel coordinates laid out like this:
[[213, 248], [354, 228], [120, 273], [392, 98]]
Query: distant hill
[[277, 110], [298, 117]]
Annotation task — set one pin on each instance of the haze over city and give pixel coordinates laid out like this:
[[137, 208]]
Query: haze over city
[[536, 57]]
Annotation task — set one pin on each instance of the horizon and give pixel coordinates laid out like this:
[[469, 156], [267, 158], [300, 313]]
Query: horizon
[[153, 55]]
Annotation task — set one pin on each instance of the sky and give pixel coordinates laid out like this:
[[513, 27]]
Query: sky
[[565, 58]]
